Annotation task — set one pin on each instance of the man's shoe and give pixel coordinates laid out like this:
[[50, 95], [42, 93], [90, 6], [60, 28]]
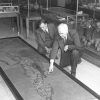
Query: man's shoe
[[57, 58], [68, 69], [73, 74]]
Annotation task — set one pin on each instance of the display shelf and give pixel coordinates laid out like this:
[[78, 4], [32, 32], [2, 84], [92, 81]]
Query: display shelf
[[5, 4], [9, 9]]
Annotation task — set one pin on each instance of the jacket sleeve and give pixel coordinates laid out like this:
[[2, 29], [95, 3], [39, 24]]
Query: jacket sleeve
[[77, 43], [39, 39], [54, 50], [53, 30]]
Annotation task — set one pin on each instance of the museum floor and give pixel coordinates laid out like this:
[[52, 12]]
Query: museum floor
[[87, 72]]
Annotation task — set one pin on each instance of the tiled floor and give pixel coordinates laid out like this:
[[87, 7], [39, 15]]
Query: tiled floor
[[89, 75], [5, 94], [86, 72]]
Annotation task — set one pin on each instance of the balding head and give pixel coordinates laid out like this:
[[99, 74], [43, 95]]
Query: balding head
[[63, 30]]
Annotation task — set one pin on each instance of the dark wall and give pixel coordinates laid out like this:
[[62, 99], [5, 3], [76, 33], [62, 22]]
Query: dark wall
[[5, 1], [72, 5], [9, 1], [51, 3]]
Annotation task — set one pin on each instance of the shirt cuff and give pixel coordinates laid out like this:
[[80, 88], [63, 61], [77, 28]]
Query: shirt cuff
[[51, 60]]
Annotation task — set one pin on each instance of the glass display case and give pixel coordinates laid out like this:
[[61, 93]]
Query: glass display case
[[92, 29], [9, 9], [27, 70], [9, 6], [90, 4]]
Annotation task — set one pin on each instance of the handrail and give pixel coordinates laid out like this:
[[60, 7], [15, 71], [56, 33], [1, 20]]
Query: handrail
[[5, 4]]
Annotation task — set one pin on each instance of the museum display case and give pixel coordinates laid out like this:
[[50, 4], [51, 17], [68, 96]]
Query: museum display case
[[92, 7], [91, 30], [10, 9], [28, 72]]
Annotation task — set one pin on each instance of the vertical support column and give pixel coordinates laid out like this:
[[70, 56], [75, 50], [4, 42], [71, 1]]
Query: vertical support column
[[27, 27], [77, 14], [21, 25], [27, 20], [33, 23], [18, 28], [47, 5]]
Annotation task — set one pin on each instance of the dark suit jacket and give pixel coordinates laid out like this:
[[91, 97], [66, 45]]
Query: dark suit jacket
[[41, 34], [72, 41]]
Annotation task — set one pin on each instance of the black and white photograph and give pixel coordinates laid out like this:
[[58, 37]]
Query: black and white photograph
[[50, 49]]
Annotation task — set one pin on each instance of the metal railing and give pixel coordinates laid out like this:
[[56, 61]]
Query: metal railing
[[5, 4]]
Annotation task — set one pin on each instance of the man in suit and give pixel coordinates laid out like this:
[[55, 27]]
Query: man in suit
[[69, 43], [45, 36]]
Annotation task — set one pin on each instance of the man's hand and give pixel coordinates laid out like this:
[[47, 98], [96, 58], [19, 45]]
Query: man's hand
[[66, 48], [51, 67], [48, 49]]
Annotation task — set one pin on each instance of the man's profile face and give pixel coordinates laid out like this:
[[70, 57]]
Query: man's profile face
[[43, 26], [63, 35]]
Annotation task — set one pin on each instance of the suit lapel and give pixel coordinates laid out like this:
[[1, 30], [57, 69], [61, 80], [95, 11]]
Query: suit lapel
[[50, 31], [61, 43], [42, 35]]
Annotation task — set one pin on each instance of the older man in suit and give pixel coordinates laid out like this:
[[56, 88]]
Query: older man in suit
[[69, 43], [45, 36]]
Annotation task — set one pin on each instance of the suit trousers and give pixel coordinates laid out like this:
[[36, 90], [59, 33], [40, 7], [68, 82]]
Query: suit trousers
[[42, 50], [70, 57]]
